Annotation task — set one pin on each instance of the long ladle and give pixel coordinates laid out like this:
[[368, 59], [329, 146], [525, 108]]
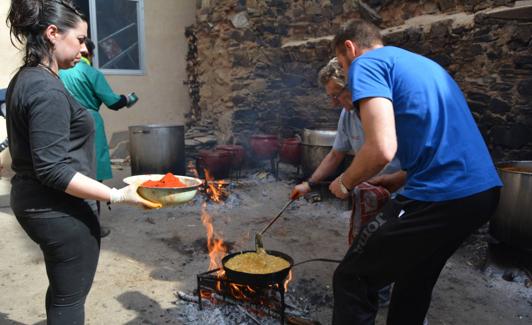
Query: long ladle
[[259, 247]]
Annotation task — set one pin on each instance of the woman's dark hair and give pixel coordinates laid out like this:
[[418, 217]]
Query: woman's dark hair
[[359, 31], [28, 19]]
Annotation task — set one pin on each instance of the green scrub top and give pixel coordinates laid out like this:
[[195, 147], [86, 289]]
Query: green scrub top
[[89, 87]]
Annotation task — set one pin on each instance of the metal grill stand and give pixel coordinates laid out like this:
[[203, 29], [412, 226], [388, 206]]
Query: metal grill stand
[[209, 281]]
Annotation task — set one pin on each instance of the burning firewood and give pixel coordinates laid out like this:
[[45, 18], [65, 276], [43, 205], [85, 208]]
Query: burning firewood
[[243, 310], [218, 299], [216, 191], [186, 297], [300, 321]]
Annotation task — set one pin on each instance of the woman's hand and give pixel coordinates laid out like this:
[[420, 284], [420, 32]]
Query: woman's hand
[[129, 195]]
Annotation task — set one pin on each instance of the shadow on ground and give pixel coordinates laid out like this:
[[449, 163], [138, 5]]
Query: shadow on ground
[[5, 320], [148, 311]]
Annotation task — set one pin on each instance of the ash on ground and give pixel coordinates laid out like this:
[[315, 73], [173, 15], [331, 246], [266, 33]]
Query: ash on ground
[[232, 313]]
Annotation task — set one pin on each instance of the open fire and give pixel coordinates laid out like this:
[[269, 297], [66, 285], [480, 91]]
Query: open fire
[[215, 286], [215, 190], [217, 248]]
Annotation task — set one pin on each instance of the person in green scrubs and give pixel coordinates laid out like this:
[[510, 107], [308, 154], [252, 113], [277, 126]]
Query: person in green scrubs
[[90, 88]]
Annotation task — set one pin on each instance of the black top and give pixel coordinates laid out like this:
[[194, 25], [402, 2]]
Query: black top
[[51, 137]]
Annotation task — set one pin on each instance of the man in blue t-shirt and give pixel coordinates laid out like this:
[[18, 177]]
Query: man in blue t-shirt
[[349, 138], [349, 134], [409, 107]]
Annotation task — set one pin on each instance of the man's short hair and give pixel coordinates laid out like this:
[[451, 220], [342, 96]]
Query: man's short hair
[[363, 33], [332, 71], [90, 46]]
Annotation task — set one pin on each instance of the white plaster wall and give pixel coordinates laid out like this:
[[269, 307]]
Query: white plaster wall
[[10, 60], [162, 96], [10, 57]]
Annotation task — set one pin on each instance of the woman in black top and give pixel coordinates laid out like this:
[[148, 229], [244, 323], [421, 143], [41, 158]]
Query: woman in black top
[[51, 143]]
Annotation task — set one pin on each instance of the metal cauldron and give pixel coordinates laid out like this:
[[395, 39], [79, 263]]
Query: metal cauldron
[[157, 149], [512, 222], [316, 145]]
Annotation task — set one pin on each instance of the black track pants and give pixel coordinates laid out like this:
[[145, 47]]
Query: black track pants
[[408, 243]]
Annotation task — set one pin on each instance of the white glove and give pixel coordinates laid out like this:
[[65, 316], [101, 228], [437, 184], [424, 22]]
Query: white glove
[[131, 99], [129, 195]]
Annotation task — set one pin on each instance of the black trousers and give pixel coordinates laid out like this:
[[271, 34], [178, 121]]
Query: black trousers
[[409, 244], [70, 243]]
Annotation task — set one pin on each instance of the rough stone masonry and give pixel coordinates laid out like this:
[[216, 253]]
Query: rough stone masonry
[[254, 63]]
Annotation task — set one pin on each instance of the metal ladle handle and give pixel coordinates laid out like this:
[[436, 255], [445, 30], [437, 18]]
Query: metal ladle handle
[[259, 247], [276, 217]]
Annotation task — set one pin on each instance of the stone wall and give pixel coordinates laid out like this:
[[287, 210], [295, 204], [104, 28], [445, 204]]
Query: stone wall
[[256, 62], [489, 54]]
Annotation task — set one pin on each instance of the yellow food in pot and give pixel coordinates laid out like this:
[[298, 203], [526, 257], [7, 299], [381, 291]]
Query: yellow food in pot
[[255, 263]]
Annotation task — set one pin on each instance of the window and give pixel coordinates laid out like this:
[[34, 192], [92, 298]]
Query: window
[[117, 29]]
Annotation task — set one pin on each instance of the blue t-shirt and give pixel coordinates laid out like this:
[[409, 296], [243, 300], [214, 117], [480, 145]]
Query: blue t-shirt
[[439, 144]]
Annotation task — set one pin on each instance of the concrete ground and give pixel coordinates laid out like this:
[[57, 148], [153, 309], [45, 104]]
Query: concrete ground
[[149, 255]]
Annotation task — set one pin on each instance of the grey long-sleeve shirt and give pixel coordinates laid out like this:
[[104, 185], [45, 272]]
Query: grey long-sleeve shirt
[[51, 137]]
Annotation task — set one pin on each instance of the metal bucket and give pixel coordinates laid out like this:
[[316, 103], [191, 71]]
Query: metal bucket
[[157, 149], [512, 222]]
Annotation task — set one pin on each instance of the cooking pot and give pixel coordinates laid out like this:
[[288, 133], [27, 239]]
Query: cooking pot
[[316, 144], [290, 151], [217, 162], [264, 146], [237, 154], [322, 138], [512, 221], [157, 149], [258, 279]]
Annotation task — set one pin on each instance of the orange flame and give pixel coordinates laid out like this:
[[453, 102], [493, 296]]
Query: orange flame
[[214, 189], [288, 279], [215, 243], [205, 294], [237, 292]]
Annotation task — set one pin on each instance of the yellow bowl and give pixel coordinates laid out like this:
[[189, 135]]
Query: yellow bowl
[[167, 196]]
